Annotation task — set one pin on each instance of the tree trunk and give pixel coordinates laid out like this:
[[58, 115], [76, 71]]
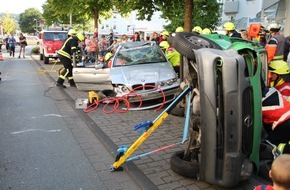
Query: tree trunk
[[96, 19], [188, 15]]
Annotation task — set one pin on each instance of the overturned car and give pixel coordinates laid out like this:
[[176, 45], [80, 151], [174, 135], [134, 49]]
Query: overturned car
[[225, 132]]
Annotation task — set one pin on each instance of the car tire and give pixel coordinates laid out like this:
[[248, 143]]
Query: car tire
[[177, 111], [41, 57], [183, 167], [46, 60], [186, 42]]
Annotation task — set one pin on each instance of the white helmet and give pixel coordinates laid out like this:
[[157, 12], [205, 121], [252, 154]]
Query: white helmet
[[273, 25]]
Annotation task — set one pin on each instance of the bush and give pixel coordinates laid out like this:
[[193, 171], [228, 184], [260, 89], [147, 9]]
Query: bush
[[35, 50]]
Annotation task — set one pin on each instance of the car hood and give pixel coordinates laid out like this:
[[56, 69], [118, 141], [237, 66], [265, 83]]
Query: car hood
[[141, 74]]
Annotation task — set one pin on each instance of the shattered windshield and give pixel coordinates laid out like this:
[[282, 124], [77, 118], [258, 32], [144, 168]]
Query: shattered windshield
[[135, 55]]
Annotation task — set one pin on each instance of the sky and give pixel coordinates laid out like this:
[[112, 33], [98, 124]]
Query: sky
[[19, 6]]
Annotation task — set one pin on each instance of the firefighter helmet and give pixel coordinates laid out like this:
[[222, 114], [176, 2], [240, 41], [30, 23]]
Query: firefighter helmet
[[229, 26], [206, 31], [72, 32], [80, 37], [165, 33], [279, 67], [108, 56], [164, 45], [274, 25], [197, 29], [179, 29]]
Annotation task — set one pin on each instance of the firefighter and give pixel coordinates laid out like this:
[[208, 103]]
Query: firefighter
[[179, 29], [230, 30], [276, 118], [171, 54], [66, 53], [280, 77], [275, 46]]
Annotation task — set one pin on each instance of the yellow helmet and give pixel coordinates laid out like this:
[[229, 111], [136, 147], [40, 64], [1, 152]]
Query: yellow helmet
[[108, 56], [80, 37], [72, 32], [179, 29], [164, 45], [206, 31], [279, 67], [197, 29], [229, 26], [165, 33]]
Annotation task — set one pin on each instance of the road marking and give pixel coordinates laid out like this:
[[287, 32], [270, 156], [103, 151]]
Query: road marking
[[30, 130], [48, 115]]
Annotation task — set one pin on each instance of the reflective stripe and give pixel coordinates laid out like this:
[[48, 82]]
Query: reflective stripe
[[281, 147], [281, 119], [70, 78], [63, 76]]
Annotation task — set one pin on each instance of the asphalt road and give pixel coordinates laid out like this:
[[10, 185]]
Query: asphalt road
[[37, 149]]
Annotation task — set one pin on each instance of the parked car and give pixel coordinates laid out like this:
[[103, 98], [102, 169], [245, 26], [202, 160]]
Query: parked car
[[136, 65], [32, 40], [50, 42]]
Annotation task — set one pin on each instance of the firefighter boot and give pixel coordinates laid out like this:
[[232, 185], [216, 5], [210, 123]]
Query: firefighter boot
[[59, 83], [72, 83]]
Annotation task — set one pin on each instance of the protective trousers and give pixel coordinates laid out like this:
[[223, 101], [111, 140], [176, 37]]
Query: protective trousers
[[67, 72]]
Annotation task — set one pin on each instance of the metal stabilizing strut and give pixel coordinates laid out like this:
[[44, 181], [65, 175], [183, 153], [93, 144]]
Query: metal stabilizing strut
[[149, 127]]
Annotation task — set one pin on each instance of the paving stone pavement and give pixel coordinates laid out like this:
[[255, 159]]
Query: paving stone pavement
[[114, 130]]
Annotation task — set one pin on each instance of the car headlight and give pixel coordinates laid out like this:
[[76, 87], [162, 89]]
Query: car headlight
[[162, 83]]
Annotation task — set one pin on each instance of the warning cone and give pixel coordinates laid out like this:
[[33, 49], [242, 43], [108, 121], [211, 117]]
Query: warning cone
[[1, 57]]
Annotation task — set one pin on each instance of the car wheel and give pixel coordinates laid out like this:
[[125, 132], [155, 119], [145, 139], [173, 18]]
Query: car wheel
[[41, 57], [186, 42], [183, 167], [46, 60]]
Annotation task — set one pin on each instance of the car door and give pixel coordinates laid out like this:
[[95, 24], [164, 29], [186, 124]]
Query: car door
[[95, 79]]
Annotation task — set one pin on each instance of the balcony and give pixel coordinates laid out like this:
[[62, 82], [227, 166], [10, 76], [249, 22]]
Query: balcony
[[231, 7]]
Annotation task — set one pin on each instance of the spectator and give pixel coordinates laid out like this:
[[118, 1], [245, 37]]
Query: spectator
[[86, 44], [1, 43], [103, 46], [23, 44], [245, 36], [155, 37], [136, 37], [6, 41], [111, 38], [279, 173], [12, 44], [93, 48], [125, 38]]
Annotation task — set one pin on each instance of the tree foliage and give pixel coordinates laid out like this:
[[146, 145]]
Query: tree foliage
[[179, 12], [58, 11], [9, 25], [29, 20]]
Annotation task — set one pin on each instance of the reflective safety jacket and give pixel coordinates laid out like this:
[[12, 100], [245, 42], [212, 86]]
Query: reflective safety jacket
[[69, 47], [284, 88], [173, 56], [275, 108], [275, 47]]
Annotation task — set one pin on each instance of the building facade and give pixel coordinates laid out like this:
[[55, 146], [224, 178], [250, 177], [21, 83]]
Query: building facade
[[245, 12]]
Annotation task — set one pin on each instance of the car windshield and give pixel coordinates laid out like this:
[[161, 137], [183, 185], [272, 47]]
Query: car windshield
[[55, 36], [139, 54]]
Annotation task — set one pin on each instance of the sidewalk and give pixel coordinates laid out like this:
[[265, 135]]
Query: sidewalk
[[114, 130]]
